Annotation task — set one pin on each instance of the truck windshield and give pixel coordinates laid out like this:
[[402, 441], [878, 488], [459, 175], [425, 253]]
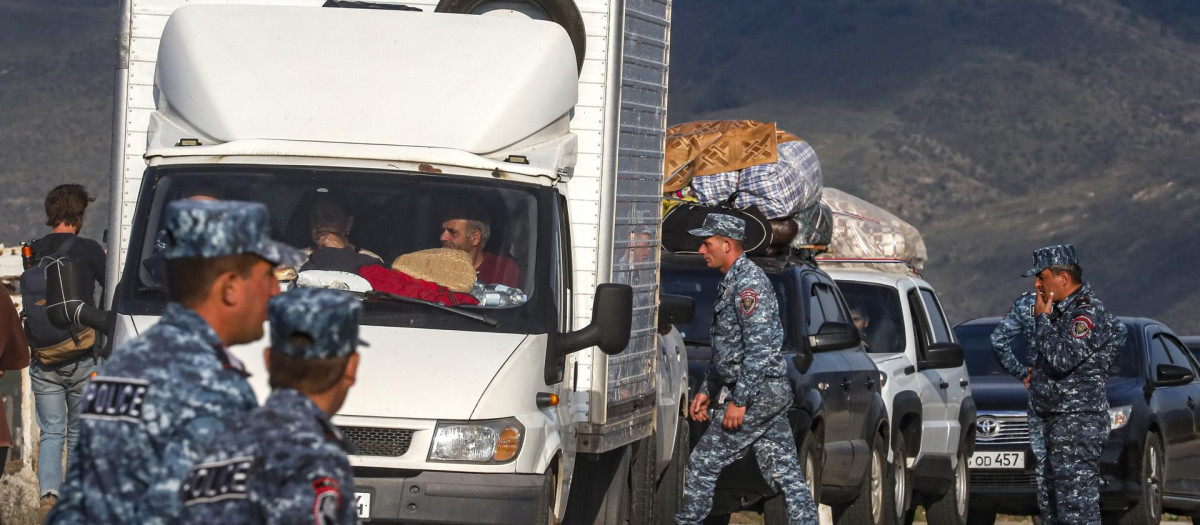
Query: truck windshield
[[875, 310], [464, 242], [981, 360]]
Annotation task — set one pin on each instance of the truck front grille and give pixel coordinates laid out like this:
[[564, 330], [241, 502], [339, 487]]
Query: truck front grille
[[1007, 428], [387, 442], [1002, 479]]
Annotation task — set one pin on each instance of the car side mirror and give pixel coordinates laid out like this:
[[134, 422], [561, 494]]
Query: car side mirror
[[942, 355], [675, 309], [1173, 375], [612, 317], [834, 336], [802, 360]]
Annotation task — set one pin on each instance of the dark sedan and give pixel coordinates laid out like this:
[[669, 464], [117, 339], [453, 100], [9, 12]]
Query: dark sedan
[[1151, 461]]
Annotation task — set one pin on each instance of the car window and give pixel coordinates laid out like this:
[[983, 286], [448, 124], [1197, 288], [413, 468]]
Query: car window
[[1176, 352], [875, 310], [822, 307], [1158, 355], [920, 321], [937, 320]]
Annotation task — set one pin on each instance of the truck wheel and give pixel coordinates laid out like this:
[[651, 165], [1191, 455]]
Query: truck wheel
[[899, 480], [669, 492], [867, 508], [641, 482], [545, 501], [1148, 507], [775, 509], [951, 507]]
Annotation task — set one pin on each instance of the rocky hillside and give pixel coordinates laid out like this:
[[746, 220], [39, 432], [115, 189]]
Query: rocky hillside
[[994, 126]]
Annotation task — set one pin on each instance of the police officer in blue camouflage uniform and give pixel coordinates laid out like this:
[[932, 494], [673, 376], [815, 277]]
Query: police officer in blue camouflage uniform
[[285, 463], [746, 339], [1018, 325], [1075, 341], [168, 393]]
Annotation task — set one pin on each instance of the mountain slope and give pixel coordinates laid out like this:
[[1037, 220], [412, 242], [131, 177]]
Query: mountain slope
[[995, 127]]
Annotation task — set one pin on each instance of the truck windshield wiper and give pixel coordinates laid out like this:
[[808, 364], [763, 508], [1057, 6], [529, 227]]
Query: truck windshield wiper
[[385, 296]]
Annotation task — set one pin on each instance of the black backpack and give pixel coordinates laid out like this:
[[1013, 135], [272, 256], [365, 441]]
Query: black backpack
[[40, 332]]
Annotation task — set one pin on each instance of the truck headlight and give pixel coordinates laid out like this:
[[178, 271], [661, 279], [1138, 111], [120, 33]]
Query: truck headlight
[[495, 441], [1119, 416]]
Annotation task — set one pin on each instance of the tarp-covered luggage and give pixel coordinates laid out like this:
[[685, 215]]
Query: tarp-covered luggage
[[864, 233], [778, 189]]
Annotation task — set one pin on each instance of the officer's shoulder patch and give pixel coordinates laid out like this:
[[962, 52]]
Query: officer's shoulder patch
[[1081, 327], [216, 481], [748, 301], [328, 499], [115, 398]]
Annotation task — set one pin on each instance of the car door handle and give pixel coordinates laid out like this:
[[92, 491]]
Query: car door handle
[[944, 385], [1191, 402], [963, 383], [870, 384], [846, 384]]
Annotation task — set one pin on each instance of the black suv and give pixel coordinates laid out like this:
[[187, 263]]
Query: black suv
[[838, 417], [1151, 461]]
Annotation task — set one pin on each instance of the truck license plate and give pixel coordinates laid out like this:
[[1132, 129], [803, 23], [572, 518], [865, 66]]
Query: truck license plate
[[362, 500], [997, 460]]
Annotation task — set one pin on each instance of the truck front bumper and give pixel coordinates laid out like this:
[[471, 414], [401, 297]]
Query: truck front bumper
[[450, 497]]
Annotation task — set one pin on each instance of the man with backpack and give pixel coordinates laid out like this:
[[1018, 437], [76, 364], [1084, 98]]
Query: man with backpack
[[62, 359]]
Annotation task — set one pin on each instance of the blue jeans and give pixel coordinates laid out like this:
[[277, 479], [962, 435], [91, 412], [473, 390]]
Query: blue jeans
[[56, 393]]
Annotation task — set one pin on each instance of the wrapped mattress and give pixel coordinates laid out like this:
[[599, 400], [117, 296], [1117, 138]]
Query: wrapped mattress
[[867, 235]]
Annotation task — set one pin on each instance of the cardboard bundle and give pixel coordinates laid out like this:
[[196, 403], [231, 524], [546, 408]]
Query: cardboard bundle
[[753, 162]]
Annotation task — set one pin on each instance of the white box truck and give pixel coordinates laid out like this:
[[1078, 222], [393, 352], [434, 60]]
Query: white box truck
[[541, 119]]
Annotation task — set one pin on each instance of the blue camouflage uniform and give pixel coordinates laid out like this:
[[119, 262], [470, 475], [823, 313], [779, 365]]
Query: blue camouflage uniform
[[284, 463], [1018, 322], [165, 394], [746, 339], [1072, 349]]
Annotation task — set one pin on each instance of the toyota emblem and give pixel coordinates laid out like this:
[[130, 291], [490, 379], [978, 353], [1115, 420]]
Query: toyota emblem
[[988, 426]]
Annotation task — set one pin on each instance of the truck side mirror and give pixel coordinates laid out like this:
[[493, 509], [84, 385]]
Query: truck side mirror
[[942, 355], [675, 309], [612, 319], [834, 336], [1173, 375], [68, 307]]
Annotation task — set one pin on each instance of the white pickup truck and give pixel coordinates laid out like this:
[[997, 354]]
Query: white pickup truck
[[550, 400], [926, 388]]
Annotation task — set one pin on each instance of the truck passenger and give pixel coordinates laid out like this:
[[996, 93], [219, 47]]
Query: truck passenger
[[330, 224], [469, 232]]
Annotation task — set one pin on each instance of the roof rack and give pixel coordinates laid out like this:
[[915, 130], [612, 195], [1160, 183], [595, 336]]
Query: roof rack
[[904, 266]]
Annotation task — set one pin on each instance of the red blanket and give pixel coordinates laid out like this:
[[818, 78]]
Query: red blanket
[[391, 281]]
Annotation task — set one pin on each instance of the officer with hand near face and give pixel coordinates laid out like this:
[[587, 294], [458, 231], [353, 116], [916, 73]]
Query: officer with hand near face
[[1075, 340]]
